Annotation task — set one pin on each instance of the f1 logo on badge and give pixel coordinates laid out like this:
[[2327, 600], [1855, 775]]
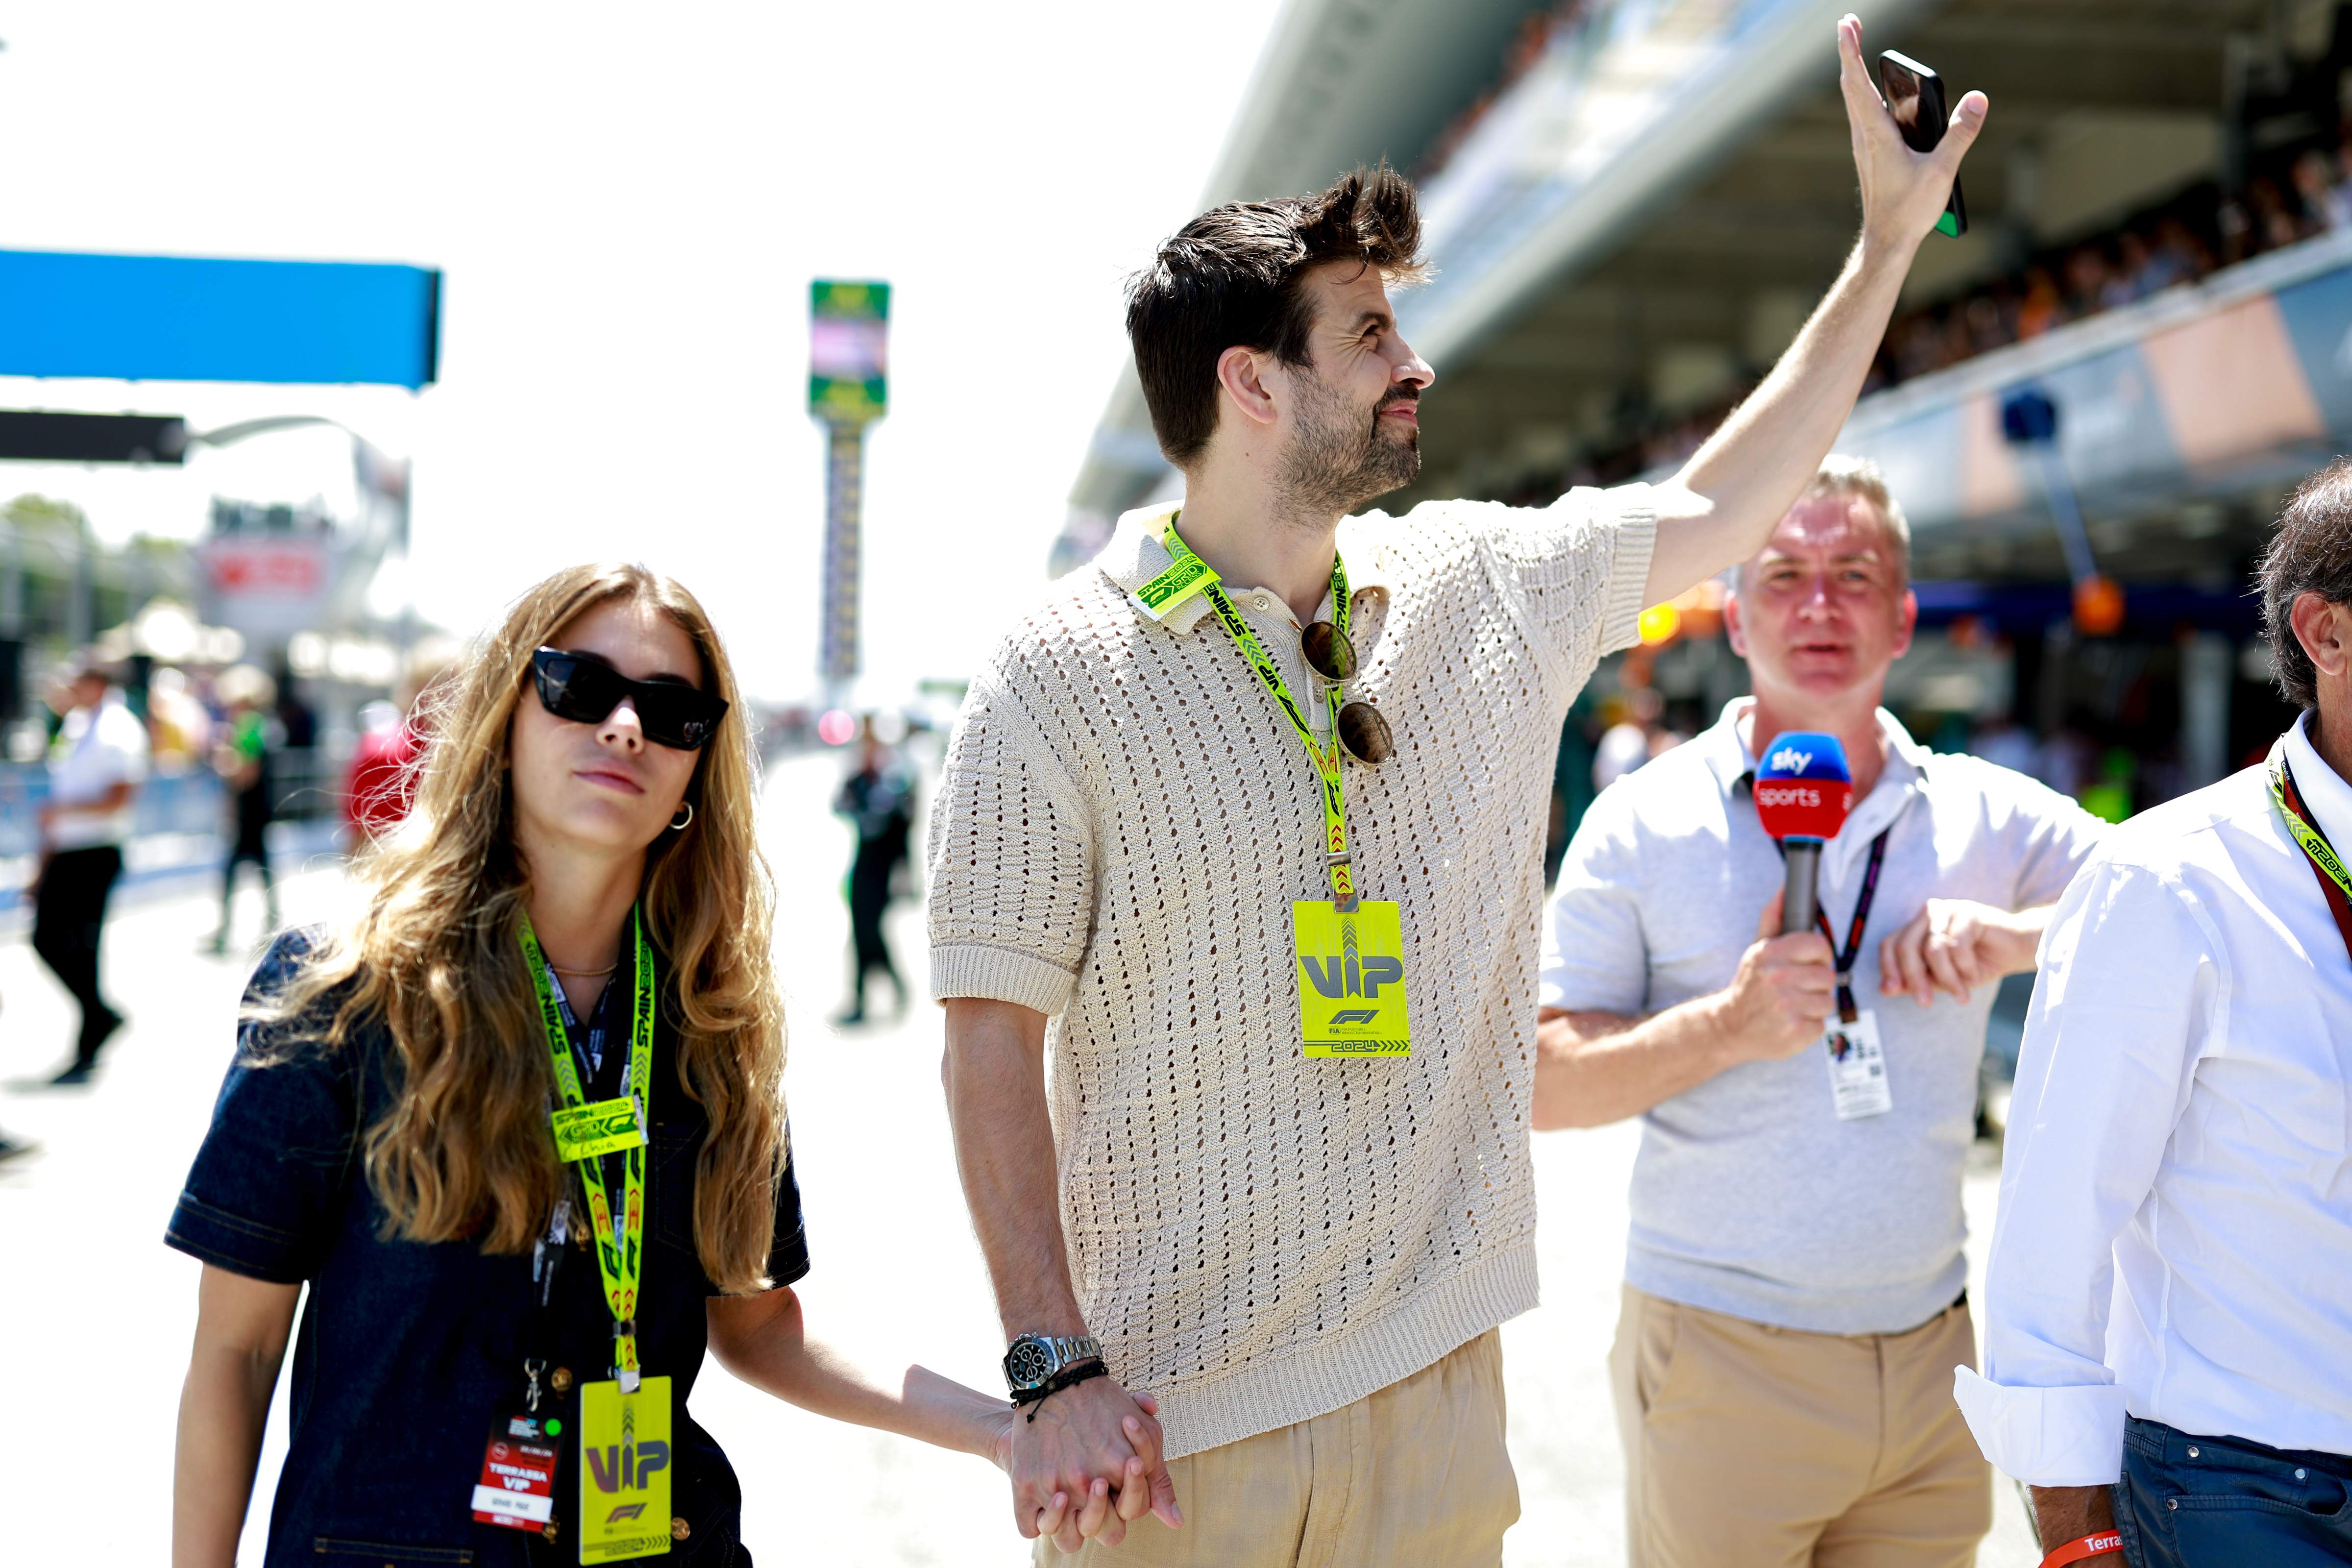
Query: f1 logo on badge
[[624, 1510], [1347, 1015]]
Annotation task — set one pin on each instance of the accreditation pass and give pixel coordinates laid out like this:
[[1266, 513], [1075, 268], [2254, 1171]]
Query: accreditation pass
[[1857, 1068], [1352, 982]]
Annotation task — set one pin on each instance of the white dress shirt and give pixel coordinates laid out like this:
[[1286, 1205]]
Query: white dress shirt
[[2175, 1239], [96, 749]]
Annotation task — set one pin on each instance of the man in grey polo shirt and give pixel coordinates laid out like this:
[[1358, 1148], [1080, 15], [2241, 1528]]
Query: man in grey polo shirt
[[1792, 1304]]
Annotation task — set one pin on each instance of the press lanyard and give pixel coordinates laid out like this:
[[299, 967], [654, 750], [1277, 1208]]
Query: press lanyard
[[2334, 885], [592, 1131], [1325, 758], [1843, 960]]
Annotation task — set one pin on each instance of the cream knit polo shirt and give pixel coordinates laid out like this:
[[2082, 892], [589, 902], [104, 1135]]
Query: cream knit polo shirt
[[1259, 1237]]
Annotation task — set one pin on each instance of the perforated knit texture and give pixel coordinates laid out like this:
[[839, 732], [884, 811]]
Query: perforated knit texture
[[1259, 1237]]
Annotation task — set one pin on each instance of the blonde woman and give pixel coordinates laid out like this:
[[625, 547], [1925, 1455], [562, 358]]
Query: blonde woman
[[520, 1129]]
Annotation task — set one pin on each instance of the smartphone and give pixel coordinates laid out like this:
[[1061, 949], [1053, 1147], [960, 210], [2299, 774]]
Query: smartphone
[[1914, 95]]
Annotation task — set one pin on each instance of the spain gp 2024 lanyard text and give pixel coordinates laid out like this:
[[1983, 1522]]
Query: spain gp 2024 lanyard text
[[585, 1133], [1348, 958], [624, 1422]]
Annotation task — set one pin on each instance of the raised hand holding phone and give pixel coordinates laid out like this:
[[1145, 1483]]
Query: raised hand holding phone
[[1914, 97], [1905, 191]]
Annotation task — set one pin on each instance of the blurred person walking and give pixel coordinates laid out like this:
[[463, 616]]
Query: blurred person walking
[[878, 801], [520, 1128], [177, 725], [96, 766], [2168, 1304], [243, 757], [1283, 1178], [1796, 1250]]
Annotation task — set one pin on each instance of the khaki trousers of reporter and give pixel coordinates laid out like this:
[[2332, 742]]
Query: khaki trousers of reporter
[[1415, 1476], [1752, 1447]]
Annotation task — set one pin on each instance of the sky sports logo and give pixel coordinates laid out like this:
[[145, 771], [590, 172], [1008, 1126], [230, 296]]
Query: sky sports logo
[[1803, 789]]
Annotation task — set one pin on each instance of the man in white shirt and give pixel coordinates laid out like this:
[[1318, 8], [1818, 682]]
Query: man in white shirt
[[1793, 1279], [2169, 1305], [95, 771]]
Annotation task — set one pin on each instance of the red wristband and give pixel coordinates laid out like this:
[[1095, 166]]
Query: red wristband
[[2093, 1545]]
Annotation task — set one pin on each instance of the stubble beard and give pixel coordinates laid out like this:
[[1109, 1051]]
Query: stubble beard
[[1341, 457]]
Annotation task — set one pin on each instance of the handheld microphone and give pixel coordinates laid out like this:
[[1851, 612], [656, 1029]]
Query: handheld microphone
[[1804, 791]]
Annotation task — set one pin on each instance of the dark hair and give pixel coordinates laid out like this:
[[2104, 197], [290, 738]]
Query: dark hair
[[1234, 277], [2311, 553]]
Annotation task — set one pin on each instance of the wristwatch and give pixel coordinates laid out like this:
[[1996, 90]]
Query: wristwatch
[[1033, 1359]]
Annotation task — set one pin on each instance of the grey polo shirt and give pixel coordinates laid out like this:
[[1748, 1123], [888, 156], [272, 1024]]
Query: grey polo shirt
[[1750, 1195]]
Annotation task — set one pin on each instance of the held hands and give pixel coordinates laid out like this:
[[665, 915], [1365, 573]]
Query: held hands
[[1776, 1006], [1903, 192], [1088, 1466], [1954, 945]]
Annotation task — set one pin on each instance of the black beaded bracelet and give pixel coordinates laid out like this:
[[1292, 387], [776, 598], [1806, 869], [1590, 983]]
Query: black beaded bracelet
[[1069, 1376]]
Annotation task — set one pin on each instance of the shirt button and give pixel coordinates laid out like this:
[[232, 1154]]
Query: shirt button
[[2172, 1502], [2299, 1473], [560, 1380], [680, 1529], [2192, 1450]]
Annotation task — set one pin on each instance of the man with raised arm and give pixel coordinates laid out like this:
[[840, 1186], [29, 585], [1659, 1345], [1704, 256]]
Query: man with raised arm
[[1241, 828]]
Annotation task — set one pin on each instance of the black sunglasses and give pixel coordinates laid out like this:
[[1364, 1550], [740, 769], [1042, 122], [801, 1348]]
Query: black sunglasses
[[1361, 730], [585, 690]]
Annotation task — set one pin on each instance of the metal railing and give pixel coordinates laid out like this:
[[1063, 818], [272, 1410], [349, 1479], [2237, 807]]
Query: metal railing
[[309, 787]]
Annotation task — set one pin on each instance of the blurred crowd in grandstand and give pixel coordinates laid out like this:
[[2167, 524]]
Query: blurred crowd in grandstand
[[2183, 240], [2288, 195]]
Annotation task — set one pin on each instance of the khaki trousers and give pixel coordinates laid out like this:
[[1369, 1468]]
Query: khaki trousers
[[1414, 1476], [1752, 1447]]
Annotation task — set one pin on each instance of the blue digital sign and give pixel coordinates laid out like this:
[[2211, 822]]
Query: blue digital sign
[[175, 318]]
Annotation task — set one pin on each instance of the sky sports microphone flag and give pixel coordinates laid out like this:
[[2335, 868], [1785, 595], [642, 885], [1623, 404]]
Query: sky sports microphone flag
[[1803, 792]]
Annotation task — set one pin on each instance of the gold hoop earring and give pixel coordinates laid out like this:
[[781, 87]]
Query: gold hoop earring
[[686, 815]]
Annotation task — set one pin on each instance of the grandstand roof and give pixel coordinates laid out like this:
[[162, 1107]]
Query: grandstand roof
[[1640, 221]]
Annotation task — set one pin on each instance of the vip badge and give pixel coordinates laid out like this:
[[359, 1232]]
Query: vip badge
[[1352, 980], [624, 1471]]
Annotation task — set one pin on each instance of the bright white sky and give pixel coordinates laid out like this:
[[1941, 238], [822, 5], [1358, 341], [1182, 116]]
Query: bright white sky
[[628, 205]]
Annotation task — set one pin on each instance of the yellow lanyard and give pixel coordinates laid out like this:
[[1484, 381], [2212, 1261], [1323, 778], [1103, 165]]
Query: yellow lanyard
[[2314, 843], [1197, 575], [2335, 885], [585, 1133]]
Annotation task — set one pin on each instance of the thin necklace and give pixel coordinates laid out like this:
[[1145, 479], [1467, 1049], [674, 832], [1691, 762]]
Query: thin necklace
[[561, 969]]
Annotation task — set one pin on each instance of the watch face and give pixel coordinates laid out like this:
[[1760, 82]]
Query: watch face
[[1028, 1364]]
